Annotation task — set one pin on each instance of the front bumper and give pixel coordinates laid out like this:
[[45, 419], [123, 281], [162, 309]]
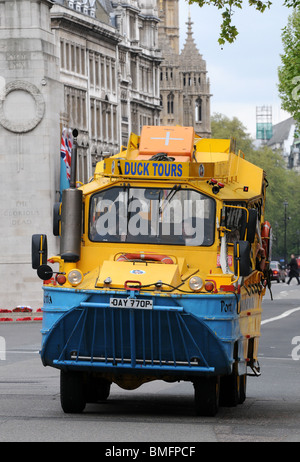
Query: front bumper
[[182, 336]]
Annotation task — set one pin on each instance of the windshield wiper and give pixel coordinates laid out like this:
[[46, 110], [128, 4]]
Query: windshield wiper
[[169, 196]]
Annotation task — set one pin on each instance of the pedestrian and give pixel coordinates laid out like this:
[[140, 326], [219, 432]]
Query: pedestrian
[[294, 271]]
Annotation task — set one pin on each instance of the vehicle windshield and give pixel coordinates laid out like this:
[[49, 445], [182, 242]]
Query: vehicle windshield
[[174, 216]]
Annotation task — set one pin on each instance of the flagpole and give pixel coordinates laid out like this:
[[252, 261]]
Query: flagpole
[[65, 160], [74, 159]]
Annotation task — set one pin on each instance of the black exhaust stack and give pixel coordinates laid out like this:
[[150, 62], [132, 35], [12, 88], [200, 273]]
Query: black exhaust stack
[[71, 214]]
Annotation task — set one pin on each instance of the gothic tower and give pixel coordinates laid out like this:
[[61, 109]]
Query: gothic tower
[[184, 85], [168, 12]]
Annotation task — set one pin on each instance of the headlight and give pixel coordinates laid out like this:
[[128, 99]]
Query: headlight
[[75, 277], [196, 283]]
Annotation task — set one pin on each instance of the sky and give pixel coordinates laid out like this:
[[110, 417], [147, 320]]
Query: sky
[[243, 75]]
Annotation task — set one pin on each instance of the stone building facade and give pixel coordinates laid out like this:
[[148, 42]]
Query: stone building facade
[[88, 72], [109, 65], [139, 60]]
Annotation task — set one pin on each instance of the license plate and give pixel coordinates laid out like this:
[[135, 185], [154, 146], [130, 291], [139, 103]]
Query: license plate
[[131, 303]]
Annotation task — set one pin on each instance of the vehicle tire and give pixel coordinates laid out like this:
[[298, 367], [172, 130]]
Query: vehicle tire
[[98, 389], [230, 390], [207, 396], [103, 389], [72, 393], [243, 386]]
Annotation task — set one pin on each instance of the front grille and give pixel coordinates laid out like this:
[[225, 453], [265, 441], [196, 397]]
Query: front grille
[[160, 339]]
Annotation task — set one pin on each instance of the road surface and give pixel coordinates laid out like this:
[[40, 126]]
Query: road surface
[[156, 412]]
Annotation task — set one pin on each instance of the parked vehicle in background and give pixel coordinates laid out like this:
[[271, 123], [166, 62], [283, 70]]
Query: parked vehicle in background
[[278, 273]]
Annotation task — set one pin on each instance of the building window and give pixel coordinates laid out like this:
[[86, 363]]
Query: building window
[[62, 54], [198, 110], [108, 75], [102, 73], [132, 28], [75, 104], [73, 68], [113, 77], [97, 71], [91, 68], [170, 103], [133, 73], [122, 64], [187, 80]]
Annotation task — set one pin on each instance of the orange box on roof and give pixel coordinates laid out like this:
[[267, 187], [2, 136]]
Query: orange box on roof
[[174, 141]]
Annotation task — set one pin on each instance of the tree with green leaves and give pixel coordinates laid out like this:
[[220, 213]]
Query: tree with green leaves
[[229, 31], [284, 184], [289, 71], [223, 127]]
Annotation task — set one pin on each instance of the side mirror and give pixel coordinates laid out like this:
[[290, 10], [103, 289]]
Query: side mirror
[[56, 218], [242, 262], [251, 225], [39, 251]]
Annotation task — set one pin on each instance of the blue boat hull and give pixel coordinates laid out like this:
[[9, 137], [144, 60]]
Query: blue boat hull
[[180, 337]]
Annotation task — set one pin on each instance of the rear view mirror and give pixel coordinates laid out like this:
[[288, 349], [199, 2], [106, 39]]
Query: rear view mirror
[[56, 218], [251, 225], [242, 262], [39, 251]]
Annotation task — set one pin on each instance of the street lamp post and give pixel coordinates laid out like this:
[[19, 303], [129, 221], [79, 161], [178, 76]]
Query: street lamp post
[[275, 238], [285, 226]]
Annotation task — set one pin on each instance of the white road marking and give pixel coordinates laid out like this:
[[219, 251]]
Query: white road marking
[[281, 316]]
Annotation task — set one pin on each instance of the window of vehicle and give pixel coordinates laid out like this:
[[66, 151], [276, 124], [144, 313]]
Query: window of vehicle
[[174, 216], [275, 265]]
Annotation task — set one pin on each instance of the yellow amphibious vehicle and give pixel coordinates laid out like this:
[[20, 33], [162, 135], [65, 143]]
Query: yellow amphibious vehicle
[[161, 273]]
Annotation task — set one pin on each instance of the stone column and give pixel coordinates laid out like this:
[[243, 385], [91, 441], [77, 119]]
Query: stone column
[[30, 105]]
